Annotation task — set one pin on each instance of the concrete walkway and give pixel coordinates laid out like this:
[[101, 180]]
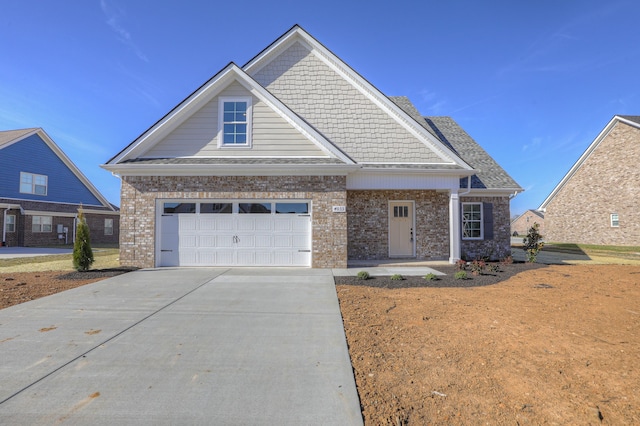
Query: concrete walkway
[[181, 346]]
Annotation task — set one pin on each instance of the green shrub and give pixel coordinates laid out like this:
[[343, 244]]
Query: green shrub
[[532, 243], [431, 277], [363, 275], [82, 253], [461, 275], [397, 277]]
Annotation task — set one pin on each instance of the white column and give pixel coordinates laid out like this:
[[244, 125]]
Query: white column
[[454, 227]]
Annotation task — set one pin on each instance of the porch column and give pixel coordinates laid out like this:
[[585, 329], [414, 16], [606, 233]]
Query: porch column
[[454, 227]]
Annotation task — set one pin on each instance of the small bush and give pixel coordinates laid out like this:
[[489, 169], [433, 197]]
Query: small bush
[[82, 253], [461, 275], [532, 243], [431, 277], [397, 277], [363, 275], [507, 260], [461, 265], [477, 267], [493, 268]]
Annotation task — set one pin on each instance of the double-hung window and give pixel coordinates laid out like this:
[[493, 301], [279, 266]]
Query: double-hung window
[[472, 228], [41, 224], [234, 122], [31, 183], [10, 226], [108, 226], [615, 220]]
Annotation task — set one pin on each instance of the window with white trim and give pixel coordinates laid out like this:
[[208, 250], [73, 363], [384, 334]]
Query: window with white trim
[[234, 121], [615, 220], [472, 228], [41, 224], [108, 227], [10, 225], [31, 183]]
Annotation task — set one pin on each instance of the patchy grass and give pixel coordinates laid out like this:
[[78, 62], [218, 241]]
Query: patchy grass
[[104, 258]]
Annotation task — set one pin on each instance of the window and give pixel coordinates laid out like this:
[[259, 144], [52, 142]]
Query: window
[[108, 227], [235, 122], [400, 211], [289, 208], [41, 224], [10, 226], [33, 184], [179, 208], [615, 220], [472, 221], [254, 208], [216, 208]]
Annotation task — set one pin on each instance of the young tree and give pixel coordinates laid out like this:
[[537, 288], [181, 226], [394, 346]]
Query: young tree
[[532, 243], [82, 253]]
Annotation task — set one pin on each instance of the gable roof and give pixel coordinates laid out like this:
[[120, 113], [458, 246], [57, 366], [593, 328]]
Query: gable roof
[[205, 93], [531, 211], [631, 120], [10, 137], [360, 150]]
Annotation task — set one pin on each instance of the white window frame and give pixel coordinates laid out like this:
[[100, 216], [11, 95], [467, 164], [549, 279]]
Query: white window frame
[[108, 226], [462, 218], [10, 225], [45, 224], [221, 122], [32, 184], [615, 220]]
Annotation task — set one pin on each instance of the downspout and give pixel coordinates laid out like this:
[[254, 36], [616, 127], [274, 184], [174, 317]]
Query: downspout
[[75, 226], [4, 228]]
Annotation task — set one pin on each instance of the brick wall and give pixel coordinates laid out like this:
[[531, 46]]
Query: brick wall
[[139, 195], [608, 182], [526, 220], [368, 216], [500, 245]]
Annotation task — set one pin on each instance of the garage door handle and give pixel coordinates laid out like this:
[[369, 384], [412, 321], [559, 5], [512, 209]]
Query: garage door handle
[[304, 251], [165, 250]]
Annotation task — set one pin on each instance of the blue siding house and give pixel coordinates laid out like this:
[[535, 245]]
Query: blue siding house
[[41, 191]]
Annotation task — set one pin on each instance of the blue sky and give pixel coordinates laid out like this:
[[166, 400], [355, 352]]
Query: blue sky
[[533, 82]]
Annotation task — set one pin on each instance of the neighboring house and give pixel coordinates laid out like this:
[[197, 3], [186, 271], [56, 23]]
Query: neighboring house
[[597, 201], [522, 224], [295, 159], [41, 191]]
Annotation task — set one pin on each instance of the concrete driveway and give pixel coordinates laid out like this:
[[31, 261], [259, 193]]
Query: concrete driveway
[[181, 346]]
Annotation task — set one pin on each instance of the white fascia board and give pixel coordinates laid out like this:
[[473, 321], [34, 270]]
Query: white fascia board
[[361, 84], [71, 166], [490, 192], [230, 170], [415, 170], [585, 155]]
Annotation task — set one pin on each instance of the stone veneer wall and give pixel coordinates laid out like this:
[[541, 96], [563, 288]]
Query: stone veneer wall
[[368, 216], [499, 246], [138, 204], [607, 182]]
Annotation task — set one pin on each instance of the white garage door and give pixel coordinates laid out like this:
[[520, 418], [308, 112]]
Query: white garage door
[[235, 234]]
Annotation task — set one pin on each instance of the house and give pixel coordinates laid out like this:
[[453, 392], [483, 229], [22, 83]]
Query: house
[[522, 224], [294, 159], [41, 191], [597, 201]]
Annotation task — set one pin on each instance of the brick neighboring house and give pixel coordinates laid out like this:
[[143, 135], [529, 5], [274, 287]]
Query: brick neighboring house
[[597, 201], [521, 225], [41, 191], [294, 159]]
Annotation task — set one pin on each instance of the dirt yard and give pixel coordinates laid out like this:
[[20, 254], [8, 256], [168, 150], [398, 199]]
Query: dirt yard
[[529, 345], [550, 345]]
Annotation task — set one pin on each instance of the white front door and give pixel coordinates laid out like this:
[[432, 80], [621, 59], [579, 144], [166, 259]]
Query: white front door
[[401, 229]]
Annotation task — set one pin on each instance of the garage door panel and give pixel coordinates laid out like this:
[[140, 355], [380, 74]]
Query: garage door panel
[[238, 239]]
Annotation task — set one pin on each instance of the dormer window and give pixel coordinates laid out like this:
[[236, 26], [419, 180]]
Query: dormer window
[[31, 183], [235, 122]]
